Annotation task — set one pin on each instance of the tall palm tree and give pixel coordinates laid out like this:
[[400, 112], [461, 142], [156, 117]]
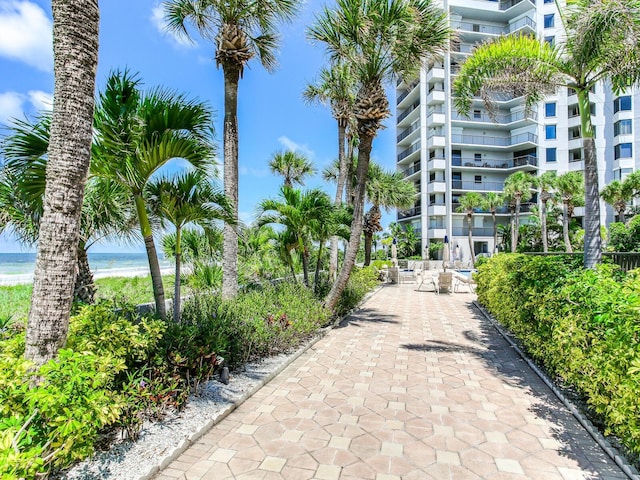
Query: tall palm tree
[[618, 194], [336, 88], [469, 202], [240, 30], [517, 186], [378, 41], [299, 212], [184, 199], [386, 190], [137, 134], [75, 53], [601, 44], [292, 166], [570, 187], [491, 202], [545, 184]]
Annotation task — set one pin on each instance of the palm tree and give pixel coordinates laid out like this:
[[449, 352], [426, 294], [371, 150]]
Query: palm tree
[[545, 183], [240, 31], [187, 198], [386, 190], [336, 88], [75, 53], [137, 134], [570, 187], [300, 212], [517, 186], [377, 40], [618, 194], [602, 41], [490, 203], [292, 166], [106, 209], [469, 202]]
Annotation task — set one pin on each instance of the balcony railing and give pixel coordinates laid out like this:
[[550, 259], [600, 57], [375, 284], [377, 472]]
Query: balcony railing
[[412, 212], [411, 170], [409, 89], [495, 162], [434, 225], [507, 4], [469, 186], [405, 153], [408, 132], [501, 119], [410, 109], [480, 28], [523, 22], [477, 232], [456, 205], [494, 141]]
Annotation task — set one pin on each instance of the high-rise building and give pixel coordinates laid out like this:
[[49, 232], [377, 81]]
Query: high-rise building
[[446, 153]]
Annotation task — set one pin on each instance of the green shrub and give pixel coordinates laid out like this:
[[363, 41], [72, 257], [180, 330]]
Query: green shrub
[[581, 324], [361, 282]]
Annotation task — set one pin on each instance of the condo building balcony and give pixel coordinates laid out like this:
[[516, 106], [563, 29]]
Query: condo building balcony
[[410, 109], [408, 132], [499, 163], [413, 169], [408, 91], [494, 141], [412, 212], [408, 151], [477, 186], [501, 119]]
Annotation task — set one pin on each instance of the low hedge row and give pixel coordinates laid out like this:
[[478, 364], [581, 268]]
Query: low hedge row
[[119, 369], [582, 325]]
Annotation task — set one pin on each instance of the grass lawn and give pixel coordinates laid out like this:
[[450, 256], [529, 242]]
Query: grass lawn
[[15, 299]]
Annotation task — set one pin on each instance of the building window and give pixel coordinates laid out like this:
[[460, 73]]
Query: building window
[[549, 20], [477, 179], [477, 157], [552, 154], [477, 115], [624, 150], [622, 103], [623, 127], [550, 109], [548, 1], [551, 40], [550, 132]]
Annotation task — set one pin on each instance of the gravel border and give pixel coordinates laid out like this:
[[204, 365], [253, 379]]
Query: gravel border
[[162, 442], [620, 460]]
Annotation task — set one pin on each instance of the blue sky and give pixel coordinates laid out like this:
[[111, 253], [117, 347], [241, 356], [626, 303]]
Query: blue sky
[[271, 112]]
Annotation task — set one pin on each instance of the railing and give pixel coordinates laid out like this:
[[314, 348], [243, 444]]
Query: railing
[[626, 260], [495, 141], [502, 209], [410, 109], [407, 91], [507, 4], [501, 119], [412, 212], [478, 231], [523, 22], [434, 225], [495, 162], [408, 131], [411, 170], [492, 186], [479, 28], [405, 153], [463, 48]]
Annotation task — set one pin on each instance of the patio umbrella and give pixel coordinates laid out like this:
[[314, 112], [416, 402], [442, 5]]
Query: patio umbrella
[[446, 253]]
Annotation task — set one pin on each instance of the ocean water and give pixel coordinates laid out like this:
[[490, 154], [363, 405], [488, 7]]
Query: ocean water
[[24, 263]]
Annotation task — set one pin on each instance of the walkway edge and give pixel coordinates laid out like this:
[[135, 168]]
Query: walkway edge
[[621, 461], [194, 437]]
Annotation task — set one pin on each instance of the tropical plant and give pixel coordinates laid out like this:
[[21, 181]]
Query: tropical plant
[[292, 166], [618, 194], [570, 188], [491, 202], [545, 183], [469, 202], [301, 213], [136, 135], [189, 198], [387, 190], [517, 187], [336, 88], [601, 42], [240, 31], [75, 47], [399, 36], [625, 238]]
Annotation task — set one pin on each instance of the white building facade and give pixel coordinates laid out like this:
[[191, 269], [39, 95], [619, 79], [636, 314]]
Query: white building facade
[[446, 154]]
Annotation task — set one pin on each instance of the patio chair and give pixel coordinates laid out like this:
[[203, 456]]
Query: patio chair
[[427, 278], [445, 280], [393, 275], [460, 279]]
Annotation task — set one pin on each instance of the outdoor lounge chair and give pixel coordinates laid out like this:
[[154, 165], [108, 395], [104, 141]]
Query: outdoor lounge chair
[[460, 279], [444, 281], [427, 278]]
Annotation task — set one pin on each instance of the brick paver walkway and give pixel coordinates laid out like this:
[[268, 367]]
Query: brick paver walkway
[[413, 386]]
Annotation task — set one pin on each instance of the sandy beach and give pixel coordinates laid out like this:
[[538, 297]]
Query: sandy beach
[[98, 273]]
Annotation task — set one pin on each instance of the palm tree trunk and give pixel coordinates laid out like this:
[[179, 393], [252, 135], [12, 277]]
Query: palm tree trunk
[[342, 177], [565, 227], [470, 234], [368, 240], [516, 228], [305, 265], [543, 226], [495, 231], [316, 280], [592, 239], [621, 217], [152, 256], [176, 284], [230, 140], [75, 47], [84, 289], [348, 185], [364, 154]]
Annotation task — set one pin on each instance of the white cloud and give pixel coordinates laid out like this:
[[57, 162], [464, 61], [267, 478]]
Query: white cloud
[[247, 218], [14, 104], [26, 34], [254, 172], [158, 21], [289, 144]]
